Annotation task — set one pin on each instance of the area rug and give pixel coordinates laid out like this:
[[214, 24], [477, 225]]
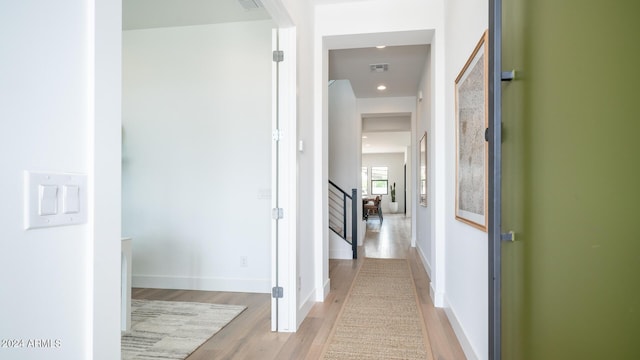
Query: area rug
[[172, 329], [381, 318]]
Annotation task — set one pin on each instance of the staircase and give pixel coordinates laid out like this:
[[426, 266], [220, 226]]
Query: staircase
[[340, 221]]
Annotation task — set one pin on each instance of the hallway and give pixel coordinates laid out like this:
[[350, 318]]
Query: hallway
[[389, 240], [249, 335]]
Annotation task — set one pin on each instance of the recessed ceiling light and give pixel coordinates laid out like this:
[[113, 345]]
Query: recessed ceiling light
[[381, 46], [364, 136], [382, 87]]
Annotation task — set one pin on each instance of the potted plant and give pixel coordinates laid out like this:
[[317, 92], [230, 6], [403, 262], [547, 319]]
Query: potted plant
[[393, 207]]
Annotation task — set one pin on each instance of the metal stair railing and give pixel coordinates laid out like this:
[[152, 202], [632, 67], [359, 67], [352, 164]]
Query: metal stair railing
[[338, 210]]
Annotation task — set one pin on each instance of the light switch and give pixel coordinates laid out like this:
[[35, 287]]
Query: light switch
[[71, 199], [54, 199], [48, 200]]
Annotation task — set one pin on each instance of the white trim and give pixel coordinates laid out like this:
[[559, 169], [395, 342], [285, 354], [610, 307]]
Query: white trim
[[425, 261], [439, 180], [320, 168], [326, 288], [287, 247], [286, 254], [469, 352], [104, 62], [306, 306], [274, 193], [288, 106], [412, 182], [436, 297], [202, 283], [340, 254]]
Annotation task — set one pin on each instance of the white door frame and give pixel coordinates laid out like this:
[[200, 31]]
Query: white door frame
[[284, 174], [103, 312]]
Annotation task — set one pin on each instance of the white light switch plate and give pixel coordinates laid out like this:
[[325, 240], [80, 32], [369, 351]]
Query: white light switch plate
[[68, 205]]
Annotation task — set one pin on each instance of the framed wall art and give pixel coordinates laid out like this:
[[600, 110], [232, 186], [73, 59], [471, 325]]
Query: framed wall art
[[471, 92], [423, 170]]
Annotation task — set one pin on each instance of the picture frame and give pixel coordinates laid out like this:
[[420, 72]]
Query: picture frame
[[423, 170], [472, 151]]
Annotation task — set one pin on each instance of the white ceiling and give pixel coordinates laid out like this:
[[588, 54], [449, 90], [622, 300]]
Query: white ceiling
[[144, 14], [406, 65], [385, 142], [350, 58]]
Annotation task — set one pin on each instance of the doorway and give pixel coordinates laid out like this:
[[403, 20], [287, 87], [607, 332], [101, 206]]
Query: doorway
[[196, 160], [383, 114]]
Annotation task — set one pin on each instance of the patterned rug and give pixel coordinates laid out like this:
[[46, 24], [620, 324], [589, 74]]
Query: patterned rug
[[172, 329], [381, 318]]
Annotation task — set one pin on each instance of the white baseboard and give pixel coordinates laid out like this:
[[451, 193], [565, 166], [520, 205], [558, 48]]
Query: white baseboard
[[338, 248], [425, 262], [436, 297], [469, 352], [305, 307], [439, 300], [205, 284], [323, 291], [340, 254], [327, 289]]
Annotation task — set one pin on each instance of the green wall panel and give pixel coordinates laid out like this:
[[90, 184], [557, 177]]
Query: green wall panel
[[571, 282]]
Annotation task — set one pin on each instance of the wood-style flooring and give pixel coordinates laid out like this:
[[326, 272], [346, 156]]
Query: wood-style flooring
[[249, 336]]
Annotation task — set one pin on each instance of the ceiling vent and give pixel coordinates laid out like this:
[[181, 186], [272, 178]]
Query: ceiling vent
[[251, 4], [379, 67]]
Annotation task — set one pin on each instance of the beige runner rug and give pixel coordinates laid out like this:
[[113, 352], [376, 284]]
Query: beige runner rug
[[381, 318]]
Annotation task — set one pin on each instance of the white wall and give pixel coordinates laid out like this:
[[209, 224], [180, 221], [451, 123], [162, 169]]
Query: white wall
[[424, 219], [466, 254], [395, 164], [197, 155], [344, 136], [54, 98], [344, 154], [297, 16], [313, 285], [377, 16], [408, 157]]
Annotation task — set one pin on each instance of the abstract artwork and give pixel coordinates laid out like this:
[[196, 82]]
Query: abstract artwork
[[472, 149]]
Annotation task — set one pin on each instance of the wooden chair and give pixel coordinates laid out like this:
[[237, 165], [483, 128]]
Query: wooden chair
[[374, 209]]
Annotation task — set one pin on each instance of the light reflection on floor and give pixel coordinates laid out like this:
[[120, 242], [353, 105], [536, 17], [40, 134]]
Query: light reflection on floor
[[389, 240]]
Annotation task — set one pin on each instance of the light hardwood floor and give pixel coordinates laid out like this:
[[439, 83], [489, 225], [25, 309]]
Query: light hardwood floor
[[249, 335]]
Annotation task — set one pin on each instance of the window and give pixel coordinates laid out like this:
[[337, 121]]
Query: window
[[365, 180], [379, 180]]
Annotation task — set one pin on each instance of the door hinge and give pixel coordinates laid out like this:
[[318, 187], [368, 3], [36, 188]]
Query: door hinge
[[278, 55], [277, 135], [277, 213], [510, 236], [508, 75], [277, 292]]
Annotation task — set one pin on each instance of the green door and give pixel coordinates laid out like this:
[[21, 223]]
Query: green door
[[571, 180]]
